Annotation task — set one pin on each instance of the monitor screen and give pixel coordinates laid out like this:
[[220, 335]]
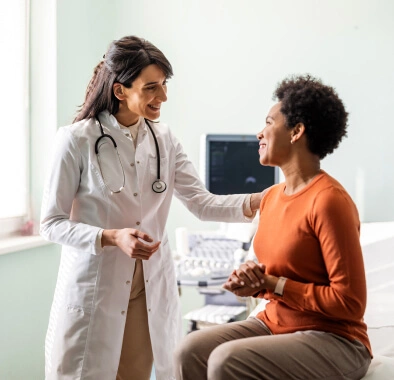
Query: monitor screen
[[230, 165]]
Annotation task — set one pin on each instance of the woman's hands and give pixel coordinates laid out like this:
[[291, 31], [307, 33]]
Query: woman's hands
[[131, 242], [249, 279]]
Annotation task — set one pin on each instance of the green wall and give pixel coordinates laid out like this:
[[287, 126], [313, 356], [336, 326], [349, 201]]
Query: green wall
[[27, 281]]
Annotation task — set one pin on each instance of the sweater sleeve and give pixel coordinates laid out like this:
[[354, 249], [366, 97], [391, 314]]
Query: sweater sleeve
[[334, 219]]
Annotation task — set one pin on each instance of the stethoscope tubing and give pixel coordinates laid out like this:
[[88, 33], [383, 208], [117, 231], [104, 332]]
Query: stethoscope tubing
[[158, 186]]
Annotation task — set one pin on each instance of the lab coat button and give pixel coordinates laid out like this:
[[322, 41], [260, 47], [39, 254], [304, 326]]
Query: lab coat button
[[123, 312], [132, 164], [128, 282], [138, 223], [135, 194], [138, 162], [149, 309]]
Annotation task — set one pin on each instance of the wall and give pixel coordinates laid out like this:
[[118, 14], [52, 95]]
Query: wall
[[27, 280], [228, 56], [84, 29]]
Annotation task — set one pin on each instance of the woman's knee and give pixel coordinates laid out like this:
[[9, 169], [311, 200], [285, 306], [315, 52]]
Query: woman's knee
[[188, 347], [221, 361]]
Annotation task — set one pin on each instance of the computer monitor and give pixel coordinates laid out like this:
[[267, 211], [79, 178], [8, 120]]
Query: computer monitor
[[229, 164]]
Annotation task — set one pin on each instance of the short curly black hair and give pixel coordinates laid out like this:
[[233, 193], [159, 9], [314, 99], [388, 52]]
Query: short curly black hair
[[305, 99]]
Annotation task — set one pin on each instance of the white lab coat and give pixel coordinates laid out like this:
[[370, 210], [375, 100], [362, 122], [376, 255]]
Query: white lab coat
[[87, 318]]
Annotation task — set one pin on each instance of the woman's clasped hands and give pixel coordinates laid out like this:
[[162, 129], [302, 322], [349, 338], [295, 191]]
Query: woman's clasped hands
[[247, 280]]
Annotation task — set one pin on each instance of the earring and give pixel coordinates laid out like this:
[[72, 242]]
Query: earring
[[291, 141]]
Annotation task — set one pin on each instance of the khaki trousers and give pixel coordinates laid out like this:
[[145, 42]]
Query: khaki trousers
[[247, 350], [136, 359]]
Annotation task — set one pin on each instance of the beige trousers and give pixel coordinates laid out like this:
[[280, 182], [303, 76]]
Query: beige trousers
[[247, 350], [136, 359]]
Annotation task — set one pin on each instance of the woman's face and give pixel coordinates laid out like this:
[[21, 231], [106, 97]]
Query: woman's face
[[145, 96], [274, 139]]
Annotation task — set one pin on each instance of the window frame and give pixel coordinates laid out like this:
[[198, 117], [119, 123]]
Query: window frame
[[12, 226]]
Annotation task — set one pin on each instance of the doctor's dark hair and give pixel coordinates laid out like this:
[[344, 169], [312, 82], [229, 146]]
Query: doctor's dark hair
[[123, 63], [305, 99]]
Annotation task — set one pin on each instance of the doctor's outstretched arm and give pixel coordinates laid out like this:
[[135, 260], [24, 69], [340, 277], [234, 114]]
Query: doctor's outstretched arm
[[191, 191]]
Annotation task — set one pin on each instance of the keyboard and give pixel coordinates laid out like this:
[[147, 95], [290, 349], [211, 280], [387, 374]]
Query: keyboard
[[217, 314], [214, 250], [211, 256]]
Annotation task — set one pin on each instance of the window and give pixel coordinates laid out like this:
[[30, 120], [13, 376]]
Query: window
[[14, 148]]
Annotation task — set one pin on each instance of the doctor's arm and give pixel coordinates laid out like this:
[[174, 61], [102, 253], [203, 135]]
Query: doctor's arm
[[60, 189], [191, 191]]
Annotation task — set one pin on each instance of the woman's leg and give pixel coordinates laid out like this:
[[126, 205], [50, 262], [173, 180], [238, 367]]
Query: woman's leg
[[136, 358], [302, 355], [191, 356]]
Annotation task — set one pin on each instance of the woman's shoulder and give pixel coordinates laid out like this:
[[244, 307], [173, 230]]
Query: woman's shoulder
[[272, 192], [274, 189], [331, 194], [327, 182]]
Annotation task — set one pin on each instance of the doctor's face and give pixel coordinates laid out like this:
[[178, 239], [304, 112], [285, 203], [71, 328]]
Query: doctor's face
[[145, 96]]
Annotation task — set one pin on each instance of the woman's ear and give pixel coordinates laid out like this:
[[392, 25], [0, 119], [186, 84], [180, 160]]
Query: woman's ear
[[297, 132], [118, 91]]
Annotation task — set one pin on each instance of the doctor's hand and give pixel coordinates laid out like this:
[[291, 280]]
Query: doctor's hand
[[255, 199], [247, 280], [131, 242]]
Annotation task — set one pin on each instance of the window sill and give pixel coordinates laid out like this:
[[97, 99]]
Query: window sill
[[20, 243]]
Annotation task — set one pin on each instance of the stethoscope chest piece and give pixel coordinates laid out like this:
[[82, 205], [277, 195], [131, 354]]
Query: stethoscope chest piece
[[159, 186]]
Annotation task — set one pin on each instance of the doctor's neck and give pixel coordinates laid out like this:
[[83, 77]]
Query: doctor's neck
[[126, 118]]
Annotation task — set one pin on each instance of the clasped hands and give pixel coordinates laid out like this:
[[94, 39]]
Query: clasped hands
[[134, 243], [250, 278]]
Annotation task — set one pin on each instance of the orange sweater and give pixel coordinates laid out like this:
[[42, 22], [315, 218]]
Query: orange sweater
[[312, 239]]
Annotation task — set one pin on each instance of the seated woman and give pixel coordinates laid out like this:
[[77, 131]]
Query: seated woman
[[310, 260]]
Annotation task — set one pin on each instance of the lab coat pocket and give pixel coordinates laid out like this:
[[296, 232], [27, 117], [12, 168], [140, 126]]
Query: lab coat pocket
[[82, 281], [69, 347], [169, 268]]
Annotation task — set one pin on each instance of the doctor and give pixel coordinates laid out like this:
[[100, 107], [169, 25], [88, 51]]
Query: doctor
[[114, 172]]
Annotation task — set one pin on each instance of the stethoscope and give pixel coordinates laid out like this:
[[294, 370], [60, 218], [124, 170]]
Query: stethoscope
[[158, 186]]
